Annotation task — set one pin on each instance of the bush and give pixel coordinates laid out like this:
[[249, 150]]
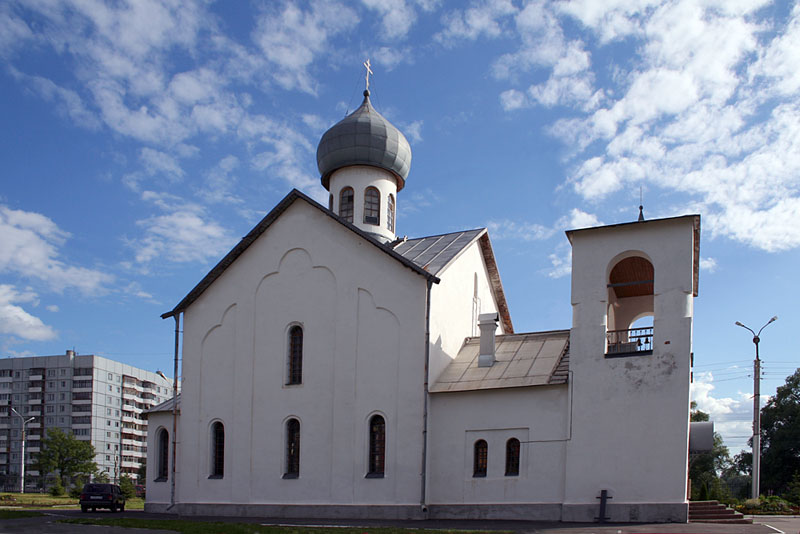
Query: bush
[[57, 489], [127, 487]]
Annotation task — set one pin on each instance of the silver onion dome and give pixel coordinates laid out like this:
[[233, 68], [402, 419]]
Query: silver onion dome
[[364, 137]]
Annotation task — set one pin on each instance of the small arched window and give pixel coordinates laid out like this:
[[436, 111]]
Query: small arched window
[[512, 457], [294, 368], [390, 213], [346, 204], [217, 450], [372, 206], [481, 458], [377, 447], [292, 449], [162, 467], [330, 202]]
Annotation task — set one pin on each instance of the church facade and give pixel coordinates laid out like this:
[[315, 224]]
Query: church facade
[[331, 369]]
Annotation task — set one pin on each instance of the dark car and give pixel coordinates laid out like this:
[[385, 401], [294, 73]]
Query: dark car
[[102, 496]]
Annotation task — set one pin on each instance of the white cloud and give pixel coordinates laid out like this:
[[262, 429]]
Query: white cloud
[[519, 231], [29, 244], [708, 264], [291, 39], [182, 236], [414, 131], [15, 321], [707, 107], [157, 162], [397, 16], [52, 308], [220, 182], [389, 57], [483, 18], [732, 416]]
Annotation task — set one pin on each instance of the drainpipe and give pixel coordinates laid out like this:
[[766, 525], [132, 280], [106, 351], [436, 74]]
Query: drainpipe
[[423, 497], [175, 410]]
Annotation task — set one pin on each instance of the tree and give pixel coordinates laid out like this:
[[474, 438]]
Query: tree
[[780, 436], [126, 486], [706, 468], [63, 453]]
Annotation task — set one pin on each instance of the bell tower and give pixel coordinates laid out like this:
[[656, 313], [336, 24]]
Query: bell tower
[[633, 286]]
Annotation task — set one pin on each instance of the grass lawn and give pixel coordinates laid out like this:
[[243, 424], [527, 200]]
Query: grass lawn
[[17, 514], [44, 500], [195, 527]]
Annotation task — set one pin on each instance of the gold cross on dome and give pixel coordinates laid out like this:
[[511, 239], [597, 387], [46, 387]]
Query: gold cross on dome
[[369, 71]]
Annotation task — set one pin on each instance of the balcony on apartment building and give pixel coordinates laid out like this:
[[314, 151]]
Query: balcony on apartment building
[[83, 397], [36, 374], [35, 386], [81, 386]]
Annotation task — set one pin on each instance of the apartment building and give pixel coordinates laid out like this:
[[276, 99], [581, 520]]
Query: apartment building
[[96, 399]]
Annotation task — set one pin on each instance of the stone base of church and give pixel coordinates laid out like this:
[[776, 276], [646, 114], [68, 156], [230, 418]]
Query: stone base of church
[[627, 513], [568, 513]]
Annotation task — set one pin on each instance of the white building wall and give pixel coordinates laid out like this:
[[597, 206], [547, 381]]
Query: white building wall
[[631, 413], [537, 416], [359, 177], [363, 318], [158, 495], [463, 294]]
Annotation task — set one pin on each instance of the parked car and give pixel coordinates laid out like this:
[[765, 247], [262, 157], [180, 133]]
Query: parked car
[[140, 490], [96, 496]]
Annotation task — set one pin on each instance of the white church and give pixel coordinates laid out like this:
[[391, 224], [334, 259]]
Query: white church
[[333, 370]]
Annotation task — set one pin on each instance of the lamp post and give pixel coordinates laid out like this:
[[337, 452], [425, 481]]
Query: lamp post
[[22, 464], [756, 408]]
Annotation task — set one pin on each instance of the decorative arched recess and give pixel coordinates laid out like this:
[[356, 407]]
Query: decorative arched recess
[[630, 285], [377, 349], [217, 372]]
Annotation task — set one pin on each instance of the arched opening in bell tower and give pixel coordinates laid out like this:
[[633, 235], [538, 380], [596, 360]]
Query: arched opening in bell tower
[[629, 322]]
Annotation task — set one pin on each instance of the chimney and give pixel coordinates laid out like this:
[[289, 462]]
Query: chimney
[[487, 322]]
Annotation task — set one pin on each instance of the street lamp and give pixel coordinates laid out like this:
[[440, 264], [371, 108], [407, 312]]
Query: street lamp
[[22, 466], [756, 408]]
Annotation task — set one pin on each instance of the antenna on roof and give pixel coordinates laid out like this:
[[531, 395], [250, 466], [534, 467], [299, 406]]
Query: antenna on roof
[[641, 207]]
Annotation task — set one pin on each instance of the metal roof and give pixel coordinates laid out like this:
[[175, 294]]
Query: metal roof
[[364, 137], [434, 253], [533, 359]]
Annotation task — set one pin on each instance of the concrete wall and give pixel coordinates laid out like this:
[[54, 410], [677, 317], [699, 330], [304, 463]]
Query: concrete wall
[[631, 413], [362, 313]]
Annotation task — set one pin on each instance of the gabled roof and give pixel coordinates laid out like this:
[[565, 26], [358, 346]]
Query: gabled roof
[[165, 406], [437, 252], [262, 226], [533, 359]]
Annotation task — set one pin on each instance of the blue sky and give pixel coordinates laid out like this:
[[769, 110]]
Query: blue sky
[[142, 139]]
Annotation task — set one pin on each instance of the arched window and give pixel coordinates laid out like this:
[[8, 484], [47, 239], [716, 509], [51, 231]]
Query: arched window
[[330, 202], [294, 368], [377, 447], [512, 457], [346, 204], [481, 458], [372, 206], [217, 450], [390, 213], [292, 449], [162, 467]]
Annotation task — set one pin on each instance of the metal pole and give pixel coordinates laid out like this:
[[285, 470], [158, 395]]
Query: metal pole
[[755, 491], [22, 462], [175, 411], [756, 423]]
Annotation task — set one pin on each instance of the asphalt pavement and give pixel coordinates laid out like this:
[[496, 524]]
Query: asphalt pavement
[[48, 524]]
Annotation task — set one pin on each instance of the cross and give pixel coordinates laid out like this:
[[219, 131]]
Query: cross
[[369, 71]]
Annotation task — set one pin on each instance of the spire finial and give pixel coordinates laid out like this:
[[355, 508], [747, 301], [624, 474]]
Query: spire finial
[[366, 77], [641, 207]]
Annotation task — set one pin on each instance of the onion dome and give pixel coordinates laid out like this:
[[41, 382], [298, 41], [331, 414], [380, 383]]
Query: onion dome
[[364, 137]]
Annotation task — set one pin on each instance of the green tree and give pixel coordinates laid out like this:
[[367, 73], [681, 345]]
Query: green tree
[[706, 468], [126, 486], [780, 436], [66, 455]]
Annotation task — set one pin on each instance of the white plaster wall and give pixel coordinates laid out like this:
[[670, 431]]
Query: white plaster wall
[[537, 416], [157, 492], [363, 318], [359, 177], [453, 317], [630, 428]]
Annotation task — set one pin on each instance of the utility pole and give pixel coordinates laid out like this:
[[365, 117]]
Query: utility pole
[[22, 463], [756, 409]]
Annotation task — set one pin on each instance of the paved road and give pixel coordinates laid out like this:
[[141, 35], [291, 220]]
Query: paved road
[[48, 524]]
